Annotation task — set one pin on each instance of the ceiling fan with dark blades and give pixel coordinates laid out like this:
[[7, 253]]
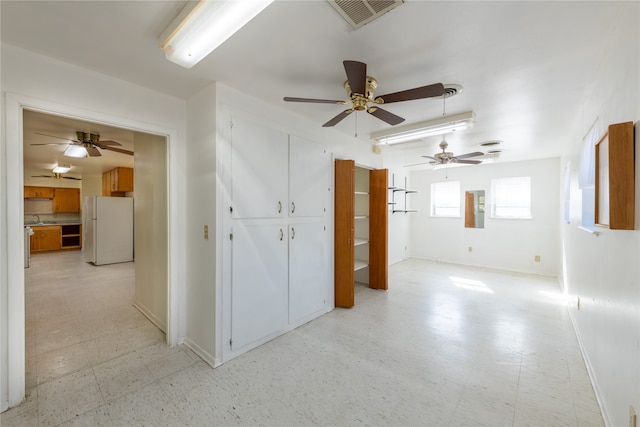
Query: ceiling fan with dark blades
[[91, 142], [447, 157], [56, 176], [360, 88]]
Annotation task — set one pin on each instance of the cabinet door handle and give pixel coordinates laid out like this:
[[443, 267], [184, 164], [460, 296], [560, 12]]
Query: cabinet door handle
[[279, 206], [281, 234], [293, 207], [293, 233]]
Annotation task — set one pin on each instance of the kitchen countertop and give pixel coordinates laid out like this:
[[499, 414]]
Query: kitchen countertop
[[44, 223]]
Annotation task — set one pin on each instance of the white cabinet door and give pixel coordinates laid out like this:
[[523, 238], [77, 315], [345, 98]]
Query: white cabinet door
[[309, 169], [259, 170], [259, 291], [307, 270]]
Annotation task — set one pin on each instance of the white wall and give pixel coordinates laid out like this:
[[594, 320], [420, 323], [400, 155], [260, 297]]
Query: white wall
[[604, 270], [38, 82], [150, 227], [200, 294], [399, 223], [506, 244]]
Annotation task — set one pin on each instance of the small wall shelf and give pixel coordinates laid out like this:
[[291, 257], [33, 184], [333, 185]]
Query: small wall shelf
[[404, 191]]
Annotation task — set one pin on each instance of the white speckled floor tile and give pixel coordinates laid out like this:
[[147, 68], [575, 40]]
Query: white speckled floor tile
[[447, 345], [64, 398], [122, 376], [61, 362]]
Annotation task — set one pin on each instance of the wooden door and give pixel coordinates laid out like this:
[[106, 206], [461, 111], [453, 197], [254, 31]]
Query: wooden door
[[343, 229], [378, 235], [469, 210]]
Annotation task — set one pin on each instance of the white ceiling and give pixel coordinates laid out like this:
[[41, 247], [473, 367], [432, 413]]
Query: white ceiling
[[526, 67]]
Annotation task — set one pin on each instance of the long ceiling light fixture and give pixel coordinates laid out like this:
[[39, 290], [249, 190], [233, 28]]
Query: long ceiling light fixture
[[201, 27], [439, 126]]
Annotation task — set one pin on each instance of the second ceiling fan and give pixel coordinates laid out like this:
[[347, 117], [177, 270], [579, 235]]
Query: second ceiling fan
[[91, 142], [360, 88]]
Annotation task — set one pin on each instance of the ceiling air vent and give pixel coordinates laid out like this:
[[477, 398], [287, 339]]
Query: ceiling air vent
[[360, 12]]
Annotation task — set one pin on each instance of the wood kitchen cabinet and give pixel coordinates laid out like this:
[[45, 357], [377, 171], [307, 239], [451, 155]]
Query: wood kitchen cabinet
[[66, 200], [38, 192], [46, 238], [117, 182]]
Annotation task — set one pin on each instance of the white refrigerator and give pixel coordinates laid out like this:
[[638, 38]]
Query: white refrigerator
[[108, 230]]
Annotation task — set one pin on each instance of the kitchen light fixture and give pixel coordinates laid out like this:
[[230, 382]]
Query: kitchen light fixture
[[201, 27], [61, 169], [77, 151], [439, 126]]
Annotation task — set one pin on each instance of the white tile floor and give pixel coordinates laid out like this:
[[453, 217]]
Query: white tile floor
[[445, 346]]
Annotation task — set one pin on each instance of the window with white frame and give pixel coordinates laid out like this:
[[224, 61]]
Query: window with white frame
[[445, 199], [511, 197]]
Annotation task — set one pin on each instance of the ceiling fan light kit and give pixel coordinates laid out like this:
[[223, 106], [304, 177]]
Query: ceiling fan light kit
[[61, 169], [201, 27], [439, 126], [76, 151]]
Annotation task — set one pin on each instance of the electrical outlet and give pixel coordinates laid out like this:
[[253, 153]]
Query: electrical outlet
[[633, 418], [206, 231], [537, 258], [470, 249]]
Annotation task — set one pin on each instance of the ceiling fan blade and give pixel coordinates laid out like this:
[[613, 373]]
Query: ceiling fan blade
[[417, 164], [337, 119], [93, 152], [70, 177], [429, 157], [318, 101], [55, 143], [41, 176], [385, 116], [469, 162], [466, 156], [118, 150], [430, 91], [107, 142], [54, 136], [356, 75]]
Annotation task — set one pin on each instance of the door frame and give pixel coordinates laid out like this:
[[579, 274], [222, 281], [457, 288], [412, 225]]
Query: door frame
[[13, 380]]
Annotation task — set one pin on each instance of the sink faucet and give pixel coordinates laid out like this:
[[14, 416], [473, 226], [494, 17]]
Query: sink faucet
[[37, 218]]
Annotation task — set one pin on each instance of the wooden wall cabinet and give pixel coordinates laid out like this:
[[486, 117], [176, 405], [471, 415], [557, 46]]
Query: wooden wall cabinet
[[615, 178], [38, 192], [345, 239], [117, 182], [66, 200]]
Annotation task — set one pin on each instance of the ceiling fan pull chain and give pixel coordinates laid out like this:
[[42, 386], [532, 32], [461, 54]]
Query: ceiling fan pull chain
[[355, 132]]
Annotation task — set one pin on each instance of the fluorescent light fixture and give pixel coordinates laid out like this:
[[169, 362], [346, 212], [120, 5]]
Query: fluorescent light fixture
[[440, 126], [77, 151], [61, 169], [201, 27]]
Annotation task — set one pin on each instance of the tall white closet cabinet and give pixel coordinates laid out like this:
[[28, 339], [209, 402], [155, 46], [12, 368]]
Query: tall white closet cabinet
[[279, 198]]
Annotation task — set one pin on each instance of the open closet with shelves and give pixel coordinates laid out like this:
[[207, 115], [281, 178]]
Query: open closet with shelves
[[360, 230]]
